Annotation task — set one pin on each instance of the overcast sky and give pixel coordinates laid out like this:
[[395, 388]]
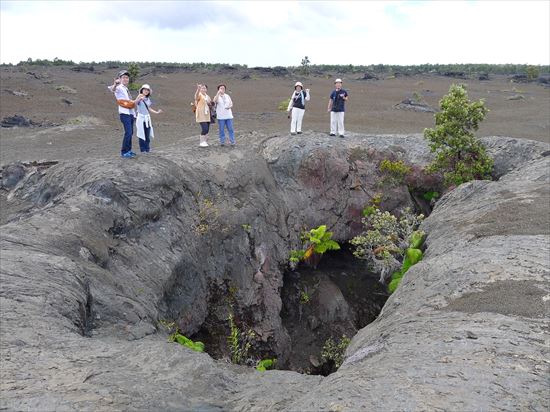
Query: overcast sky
[[278, 33]]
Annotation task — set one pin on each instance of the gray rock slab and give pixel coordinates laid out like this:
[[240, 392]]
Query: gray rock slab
[[104, 250]]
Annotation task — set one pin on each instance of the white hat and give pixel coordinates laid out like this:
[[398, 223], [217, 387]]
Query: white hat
[[146, 86], [299, 84], [338, 81]]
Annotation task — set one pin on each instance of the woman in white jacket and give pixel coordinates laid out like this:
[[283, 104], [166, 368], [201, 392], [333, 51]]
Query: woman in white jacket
[[297, 107]]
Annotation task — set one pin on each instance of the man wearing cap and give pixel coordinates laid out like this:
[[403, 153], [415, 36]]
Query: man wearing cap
[[120, 89], [298, 105], [336, 104]]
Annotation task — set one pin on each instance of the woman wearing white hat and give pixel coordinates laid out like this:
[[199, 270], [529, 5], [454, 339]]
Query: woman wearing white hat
[[143, 122], [297, 104]]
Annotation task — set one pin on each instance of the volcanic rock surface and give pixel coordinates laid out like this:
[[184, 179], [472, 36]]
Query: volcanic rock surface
[[96, 253]]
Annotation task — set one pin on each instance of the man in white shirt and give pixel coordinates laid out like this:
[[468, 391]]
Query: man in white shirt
[[120, 89]]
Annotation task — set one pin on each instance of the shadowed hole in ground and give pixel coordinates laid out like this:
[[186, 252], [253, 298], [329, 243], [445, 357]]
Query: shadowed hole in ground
[[332, 301]]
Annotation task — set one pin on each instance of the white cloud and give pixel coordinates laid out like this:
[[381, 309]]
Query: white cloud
[[278, 33]]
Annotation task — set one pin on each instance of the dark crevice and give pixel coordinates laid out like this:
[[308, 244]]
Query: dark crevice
[[86, 312], [335, 300]]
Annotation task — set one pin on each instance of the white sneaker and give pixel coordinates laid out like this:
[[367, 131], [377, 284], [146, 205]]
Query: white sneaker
[[203, 144]]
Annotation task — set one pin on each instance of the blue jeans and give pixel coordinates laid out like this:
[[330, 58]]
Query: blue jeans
[[128, 123], [222, 124], [205, 127], [144, 144]]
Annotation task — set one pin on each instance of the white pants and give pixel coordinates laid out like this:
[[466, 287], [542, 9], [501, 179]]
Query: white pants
[[337, 123], [296, 120]]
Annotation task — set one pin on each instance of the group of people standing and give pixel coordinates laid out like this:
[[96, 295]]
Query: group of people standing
[[336, 107], [208, 110], [139, 109]]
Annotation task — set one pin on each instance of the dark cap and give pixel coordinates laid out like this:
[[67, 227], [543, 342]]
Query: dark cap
[[122, 73]]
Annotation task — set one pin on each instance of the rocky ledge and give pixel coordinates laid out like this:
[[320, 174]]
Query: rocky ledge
[[96, 253]]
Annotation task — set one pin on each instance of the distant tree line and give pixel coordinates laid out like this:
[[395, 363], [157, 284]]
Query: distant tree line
[[388, 69], [467, 69]]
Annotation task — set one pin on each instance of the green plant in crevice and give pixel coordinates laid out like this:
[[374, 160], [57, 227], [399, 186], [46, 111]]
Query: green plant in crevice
[[176, 336], [266, 364], [394, 171], [168, 325], [304, 297], [413, 255], [239, 342], [316, 243], [185, 341], [431, 195], [385, 239], [208, 216], [373, 205], [335, 351], [295, 257]]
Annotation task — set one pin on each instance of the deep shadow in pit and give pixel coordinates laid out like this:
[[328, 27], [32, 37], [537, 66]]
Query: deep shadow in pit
[[336, 299]]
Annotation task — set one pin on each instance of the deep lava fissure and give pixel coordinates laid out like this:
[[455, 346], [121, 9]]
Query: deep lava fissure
[[334, 300]]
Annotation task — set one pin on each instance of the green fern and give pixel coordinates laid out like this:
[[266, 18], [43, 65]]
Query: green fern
[[266, 364], [185, 341]]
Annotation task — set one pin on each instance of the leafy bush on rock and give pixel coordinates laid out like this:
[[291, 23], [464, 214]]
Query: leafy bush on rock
[[386, 239], [459, 155]]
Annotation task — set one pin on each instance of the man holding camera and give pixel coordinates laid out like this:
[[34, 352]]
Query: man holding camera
[[127, 114]]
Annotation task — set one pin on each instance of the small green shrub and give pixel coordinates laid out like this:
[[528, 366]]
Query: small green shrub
[[369, 210], [208, 216], [283, 106], [458, 154], [395, 280], [304, 297], [532, 72], [335, 351], [394, 171], [185, 341], [266, 364], [431, 195], [316, 243], [239, 342], [321, 240], [416, 239], [413, 255], [385, 240]]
